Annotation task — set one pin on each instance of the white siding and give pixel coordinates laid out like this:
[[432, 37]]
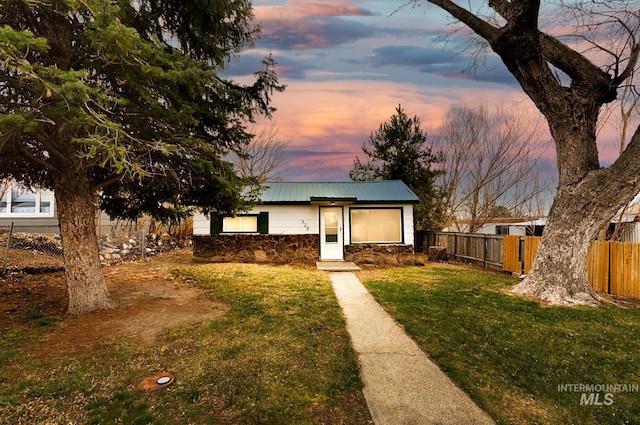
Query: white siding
[[408, 224], [630, 232], [283, 220], [304, 219], [201, 224], [514, 229], [291, 219]]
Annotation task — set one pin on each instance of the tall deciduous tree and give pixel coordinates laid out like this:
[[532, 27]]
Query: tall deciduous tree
[[263, 158], [398, 150], [489, 163], [117, 104], [569, 76]]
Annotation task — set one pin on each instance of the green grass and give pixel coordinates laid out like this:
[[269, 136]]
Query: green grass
[[279, 355], [511, 354]]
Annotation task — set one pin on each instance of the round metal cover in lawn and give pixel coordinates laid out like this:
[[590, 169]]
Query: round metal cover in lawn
[[156, 382]]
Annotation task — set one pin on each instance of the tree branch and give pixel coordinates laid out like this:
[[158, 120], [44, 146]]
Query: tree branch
[[622, 177], [479, 26], [626, 73], [575, 65]]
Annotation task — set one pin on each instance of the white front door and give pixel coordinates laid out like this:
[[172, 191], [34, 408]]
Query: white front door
[[331, 235]]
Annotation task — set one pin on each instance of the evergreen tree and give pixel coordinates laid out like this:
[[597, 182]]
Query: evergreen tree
[[119, 105], [398, 150]]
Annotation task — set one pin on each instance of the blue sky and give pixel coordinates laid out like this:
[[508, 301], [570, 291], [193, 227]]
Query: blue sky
[[349, 64]]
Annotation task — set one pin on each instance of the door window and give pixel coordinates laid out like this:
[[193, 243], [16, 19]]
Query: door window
[[331, 227]]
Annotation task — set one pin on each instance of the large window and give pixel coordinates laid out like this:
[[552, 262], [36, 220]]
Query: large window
[[376, 225], [18, 201], [241, 223], [22, 201]]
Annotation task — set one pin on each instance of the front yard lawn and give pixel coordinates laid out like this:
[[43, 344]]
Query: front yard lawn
[[517, 358], [279, 354]]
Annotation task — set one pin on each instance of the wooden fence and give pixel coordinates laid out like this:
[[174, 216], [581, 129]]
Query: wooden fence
[[520, 252], [612, 267], [486, 249]]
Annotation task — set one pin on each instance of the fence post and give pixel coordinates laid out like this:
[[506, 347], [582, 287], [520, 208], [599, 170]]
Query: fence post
[[455, 245], [143, 244], [484, 250], [521, 252], [6, 250]]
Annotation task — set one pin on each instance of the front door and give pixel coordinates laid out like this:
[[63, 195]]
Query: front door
[[331, 235]]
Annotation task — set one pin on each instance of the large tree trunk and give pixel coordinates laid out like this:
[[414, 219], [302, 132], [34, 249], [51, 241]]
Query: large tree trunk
[[559, 272], [580, 210], [86, 285], [588, 195]]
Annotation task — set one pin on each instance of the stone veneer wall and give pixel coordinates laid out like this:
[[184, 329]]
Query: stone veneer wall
[[380, 255], [257, 248], [292, 249]]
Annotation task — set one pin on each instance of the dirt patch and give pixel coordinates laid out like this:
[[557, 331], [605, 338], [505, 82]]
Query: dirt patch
[[149, 301]]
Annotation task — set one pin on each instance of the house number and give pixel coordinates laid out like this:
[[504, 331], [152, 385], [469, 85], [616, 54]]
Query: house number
[[305, 225]]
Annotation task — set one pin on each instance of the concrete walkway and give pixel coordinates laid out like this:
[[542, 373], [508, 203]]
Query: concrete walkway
[[337, 266], [402, 385]]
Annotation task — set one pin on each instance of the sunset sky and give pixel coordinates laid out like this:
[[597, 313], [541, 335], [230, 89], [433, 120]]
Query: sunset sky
[[348, 65]]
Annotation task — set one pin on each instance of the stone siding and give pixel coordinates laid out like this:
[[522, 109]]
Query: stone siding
[[281, 249], [277, 249], [380, 255]]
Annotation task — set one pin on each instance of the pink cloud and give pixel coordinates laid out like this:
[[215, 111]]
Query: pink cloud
[[329, 8], [296, 9], [310, 25], [327, 122]]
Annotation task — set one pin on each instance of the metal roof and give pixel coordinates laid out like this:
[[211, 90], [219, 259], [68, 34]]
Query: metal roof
[[385, 191]]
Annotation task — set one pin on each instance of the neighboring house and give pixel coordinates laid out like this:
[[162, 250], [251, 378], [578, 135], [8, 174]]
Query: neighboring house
[[366, 222], [28, 210], [504, 226], [34, 211], [625, 229]]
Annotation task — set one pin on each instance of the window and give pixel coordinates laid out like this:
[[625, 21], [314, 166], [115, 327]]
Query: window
[[20, 202], [241, 223], [376, 225], [502, 230], [331, 226], [3, 203], [45, 207], [254, 223]]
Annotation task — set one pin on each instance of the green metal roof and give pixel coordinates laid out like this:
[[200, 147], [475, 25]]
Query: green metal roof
[[386, 191]]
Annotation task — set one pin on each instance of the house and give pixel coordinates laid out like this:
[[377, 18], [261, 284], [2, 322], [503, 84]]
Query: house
[[34, 211], [365, 222], [503, 226], [624, 229]]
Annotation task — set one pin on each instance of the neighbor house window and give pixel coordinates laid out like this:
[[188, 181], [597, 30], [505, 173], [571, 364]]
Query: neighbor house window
[[376, 225], [3, 203], [241, 223], [502, 230], [18, 201], [22, 202]]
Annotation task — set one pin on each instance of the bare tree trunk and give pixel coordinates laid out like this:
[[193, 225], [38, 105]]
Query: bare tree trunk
[[579, 211], [86, 285], [569, 87], [559, 272]]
